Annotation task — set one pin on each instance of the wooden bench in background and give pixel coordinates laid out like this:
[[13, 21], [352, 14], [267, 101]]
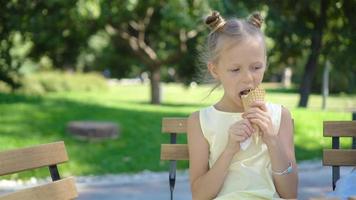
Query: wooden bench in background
[[174, 151], [46, 155], [337, 157]]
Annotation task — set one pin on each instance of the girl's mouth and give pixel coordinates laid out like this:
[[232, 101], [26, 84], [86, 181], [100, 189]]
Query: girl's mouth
[[244, 92]]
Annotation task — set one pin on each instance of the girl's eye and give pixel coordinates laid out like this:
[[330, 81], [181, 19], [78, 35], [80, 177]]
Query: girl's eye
[[235, 70], [257, 67]]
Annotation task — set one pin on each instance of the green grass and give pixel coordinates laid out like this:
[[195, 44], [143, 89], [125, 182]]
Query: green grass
[[27, 121]]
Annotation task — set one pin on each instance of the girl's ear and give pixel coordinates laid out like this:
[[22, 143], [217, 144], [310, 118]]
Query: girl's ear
[[213, 70]]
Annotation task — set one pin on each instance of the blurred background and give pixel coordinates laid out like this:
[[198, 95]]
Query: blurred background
[[131, 62]]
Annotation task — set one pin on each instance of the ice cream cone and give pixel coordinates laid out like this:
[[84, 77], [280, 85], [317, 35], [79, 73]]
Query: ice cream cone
[[257, 94]]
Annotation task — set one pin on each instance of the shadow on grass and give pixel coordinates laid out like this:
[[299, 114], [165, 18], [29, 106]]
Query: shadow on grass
[[172, 104], [282, 90], [16, 98]]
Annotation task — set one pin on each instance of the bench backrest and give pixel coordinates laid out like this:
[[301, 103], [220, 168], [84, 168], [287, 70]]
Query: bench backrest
[[46, 155], [173, 151], [337, 157]]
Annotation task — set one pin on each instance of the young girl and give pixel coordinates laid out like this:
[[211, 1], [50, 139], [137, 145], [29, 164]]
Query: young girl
[[219, 167]]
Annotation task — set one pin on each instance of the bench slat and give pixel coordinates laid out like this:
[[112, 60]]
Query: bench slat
[[32, 157], [59, 190], [339, 157], [340, 128], [174, 152], [174, 125]]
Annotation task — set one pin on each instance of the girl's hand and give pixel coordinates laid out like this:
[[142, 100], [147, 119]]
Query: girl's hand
[[238, 132], [258, 115]]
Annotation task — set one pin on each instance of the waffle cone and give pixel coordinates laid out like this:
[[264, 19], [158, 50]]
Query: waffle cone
[[258, 94]]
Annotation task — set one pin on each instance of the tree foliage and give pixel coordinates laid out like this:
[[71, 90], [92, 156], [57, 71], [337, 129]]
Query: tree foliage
[[127, 37]]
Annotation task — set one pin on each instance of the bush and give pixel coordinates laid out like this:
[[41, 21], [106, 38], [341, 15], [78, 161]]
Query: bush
[[4, 87], [45, 82]]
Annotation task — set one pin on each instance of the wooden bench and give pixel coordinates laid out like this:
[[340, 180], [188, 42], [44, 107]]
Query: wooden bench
[[46, 155], [337, 157], [174, 151]]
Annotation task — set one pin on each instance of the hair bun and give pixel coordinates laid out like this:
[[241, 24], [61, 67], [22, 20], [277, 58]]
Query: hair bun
[[256, 19], [215, 21]]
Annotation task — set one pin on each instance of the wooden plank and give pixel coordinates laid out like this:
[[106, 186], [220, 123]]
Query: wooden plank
[[339, 128], [32, 157], [59, 190], [174, 152], [339, 157], [174, 125]]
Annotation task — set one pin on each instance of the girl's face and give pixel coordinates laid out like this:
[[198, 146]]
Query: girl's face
[[240, 67]]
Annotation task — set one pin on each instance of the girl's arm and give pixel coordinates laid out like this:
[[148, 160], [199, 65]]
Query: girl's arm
[[281, 151], [205, 183]]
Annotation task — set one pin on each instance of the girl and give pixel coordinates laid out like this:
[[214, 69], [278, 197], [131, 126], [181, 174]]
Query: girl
[[219, 168]]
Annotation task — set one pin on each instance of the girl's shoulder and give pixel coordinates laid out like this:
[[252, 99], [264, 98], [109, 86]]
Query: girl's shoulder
[[273, 106], [279, 115], [278, 110], [275, 111]]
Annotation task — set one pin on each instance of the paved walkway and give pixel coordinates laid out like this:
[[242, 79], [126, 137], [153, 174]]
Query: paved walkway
[[314, 180]]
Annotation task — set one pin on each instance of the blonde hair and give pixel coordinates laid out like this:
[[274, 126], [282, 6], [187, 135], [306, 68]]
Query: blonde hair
[[236, 29], [223, 30]]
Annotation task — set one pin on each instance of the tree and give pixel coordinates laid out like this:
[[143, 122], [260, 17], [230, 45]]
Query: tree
[[319, 23], [8, 68], [339, 45], [156, 32], [54, 28], [154, 35], [314, 31]]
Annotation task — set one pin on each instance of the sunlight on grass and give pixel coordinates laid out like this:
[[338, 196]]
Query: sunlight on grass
[[27, 121]]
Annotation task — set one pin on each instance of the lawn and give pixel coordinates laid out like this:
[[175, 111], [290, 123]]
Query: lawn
[[27, 121]]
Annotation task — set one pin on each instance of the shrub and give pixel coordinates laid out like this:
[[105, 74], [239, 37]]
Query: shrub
[[4, 88], [46, 82]]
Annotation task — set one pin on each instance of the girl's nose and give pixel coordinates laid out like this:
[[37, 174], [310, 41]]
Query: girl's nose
[[247, 77]]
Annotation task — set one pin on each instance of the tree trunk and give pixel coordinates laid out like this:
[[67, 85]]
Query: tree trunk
[[309, 73], [310, 67], [325, 87], [287, 77], [155, 79]]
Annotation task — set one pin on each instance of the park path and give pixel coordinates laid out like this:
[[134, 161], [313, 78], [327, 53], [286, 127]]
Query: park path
[[314, 180]]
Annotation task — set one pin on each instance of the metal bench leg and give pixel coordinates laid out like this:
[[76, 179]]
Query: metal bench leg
[[172, 167], [172, 176], [336, 169], [54, 172]]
